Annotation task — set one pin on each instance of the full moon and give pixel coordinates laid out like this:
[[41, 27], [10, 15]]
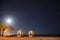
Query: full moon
[[8, 20]]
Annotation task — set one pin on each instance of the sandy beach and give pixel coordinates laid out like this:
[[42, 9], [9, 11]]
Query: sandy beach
[[29, 38]]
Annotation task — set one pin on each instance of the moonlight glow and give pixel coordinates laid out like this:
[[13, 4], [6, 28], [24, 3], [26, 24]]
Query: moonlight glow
[[8, 20]]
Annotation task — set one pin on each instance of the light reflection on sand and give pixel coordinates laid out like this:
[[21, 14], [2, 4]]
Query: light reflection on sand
[[29, 38]]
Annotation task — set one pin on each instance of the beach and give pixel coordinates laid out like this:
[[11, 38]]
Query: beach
[[29, 38]]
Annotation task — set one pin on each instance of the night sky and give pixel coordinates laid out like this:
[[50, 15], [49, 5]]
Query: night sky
[[41, 16]]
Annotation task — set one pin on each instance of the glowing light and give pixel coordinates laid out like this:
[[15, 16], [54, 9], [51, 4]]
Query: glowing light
[[8, 20]]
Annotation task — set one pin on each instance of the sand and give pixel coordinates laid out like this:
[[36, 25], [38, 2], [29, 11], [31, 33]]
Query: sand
[[29, 38]]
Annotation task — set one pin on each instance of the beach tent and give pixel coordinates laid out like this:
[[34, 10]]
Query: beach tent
[[31, 33], [20, 33]]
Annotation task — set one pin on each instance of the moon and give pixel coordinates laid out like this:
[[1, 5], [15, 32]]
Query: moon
[[9, 21]]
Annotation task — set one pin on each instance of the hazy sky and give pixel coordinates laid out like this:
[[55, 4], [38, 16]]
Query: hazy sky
[[41, 16]]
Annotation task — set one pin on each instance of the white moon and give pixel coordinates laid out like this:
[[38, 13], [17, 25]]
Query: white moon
[[9, 20]]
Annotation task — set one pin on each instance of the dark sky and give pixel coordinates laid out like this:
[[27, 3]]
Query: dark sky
[[41, 16]]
